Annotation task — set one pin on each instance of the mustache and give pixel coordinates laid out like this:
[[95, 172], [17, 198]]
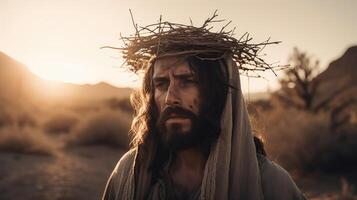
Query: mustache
[[177, 111]]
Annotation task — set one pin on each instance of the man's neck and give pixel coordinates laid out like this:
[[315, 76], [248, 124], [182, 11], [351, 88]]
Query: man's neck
[[187, 169], [191, 159]]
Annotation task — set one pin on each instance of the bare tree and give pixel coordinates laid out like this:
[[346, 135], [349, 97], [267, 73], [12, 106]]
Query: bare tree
[[338, 116], [298, 86]]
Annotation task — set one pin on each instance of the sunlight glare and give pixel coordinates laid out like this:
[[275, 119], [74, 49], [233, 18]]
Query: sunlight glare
[[61, 71]]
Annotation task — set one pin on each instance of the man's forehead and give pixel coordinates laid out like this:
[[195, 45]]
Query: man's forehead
[[175, 65]]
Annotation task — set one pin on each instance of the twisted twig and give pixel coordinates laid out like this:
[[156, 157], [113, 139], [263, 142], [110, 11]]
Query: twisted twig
[[168, 39]]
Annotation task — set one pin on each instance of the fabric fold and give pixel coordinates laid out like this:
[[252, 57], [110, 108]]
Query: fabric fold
[[232, 170]]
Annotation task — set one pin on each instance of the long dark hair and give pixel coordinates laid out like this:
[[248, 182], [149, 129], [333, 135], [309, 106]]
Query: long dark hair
[[212, 84]]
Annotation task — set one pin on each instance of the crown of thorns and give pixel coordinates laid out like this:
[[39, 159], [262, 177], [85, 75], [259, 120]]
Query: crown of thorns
[[169, 39]]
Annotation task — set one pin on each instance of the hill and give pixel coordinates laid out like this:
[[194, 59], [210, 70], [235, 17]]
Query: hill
[[338, 82], [17, 82]]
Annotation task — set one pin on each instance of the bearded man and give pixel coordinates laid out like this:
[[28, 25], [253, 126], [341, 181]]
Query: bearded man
[[192, 136]]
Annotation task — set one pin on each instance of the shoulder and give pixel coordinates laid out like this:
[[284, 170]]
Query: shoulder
[[119, 176], [126, 161], [276, 181]]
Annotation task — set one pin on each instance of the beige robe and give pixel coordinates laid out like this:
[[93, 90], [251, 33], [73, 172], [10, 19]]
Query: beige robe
[[276, 182], [233, 170]]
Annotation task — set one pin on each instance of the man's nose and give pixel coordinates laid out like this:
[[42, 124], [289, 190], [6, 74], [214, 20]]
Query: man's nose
[[172, 95]]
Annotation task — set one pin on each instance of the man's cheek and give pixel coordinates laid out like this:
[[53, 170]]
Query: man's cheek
[[195, 105], [159, 100]]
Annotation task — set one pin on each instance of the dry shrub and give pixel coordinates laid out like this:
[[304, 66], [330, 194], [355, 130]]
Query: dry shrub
[[24, 119], [82, 106], [62, 122], [6, 118], [25, 140], [106, 127], [346, 193], [301, 140], [20, 117], [121, 104]]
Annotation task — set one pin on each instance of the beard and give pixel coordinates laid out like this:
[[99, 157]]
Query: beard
[[174, 138]]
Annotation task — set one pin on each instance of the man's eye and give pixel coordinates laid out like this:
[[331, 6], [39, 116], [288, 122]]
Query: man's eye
[[188, 81], [161, 85]]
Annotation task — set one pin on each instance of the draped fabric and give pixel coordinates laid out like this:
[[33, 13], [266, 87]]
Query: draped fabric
[[232, 170]]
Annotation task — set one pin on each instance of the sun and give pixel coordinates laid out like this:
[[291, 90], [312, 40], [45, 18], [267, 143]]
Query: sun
[[60, 71]]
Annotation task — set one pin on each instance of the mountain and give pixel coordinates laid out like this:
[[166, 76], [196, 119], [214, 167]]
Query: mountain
[[338, 82], [14, 79], [345, 66], [18, 83]]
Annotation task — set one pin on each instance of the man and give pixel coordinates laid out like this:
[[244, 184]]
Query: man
[[192, 137]]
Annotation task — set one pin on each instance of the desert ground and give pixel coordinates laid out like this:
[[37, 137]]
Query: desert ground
[[73, 174], [82, 173]]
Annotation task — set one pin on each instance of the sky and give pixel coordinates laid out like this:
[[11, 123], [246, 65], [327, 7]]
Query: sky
[[61, 40]]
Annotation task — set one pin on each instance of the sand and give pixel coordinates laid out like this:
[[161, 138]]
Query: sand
[[82, 172], [79, 173]]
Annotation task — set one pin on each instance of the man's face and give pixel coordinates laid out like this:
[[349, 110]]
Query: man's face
[[177, 96]]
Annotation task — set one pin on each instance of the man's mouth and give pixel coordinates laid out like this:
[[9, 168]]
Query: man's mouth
[[175, 116]]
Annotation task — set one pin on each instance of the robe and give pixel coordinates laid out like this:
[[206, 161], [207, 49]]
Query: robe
[[233, 169], [276, 182]]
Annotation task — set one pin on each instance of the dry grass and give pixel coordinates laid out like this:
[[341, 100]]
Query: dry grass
[[301, 140], [300, 137], [119, 104], [62, 122], [346, 193], [24, 119], [25, 140], [17, 116], [6, 117], [106, 127]]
